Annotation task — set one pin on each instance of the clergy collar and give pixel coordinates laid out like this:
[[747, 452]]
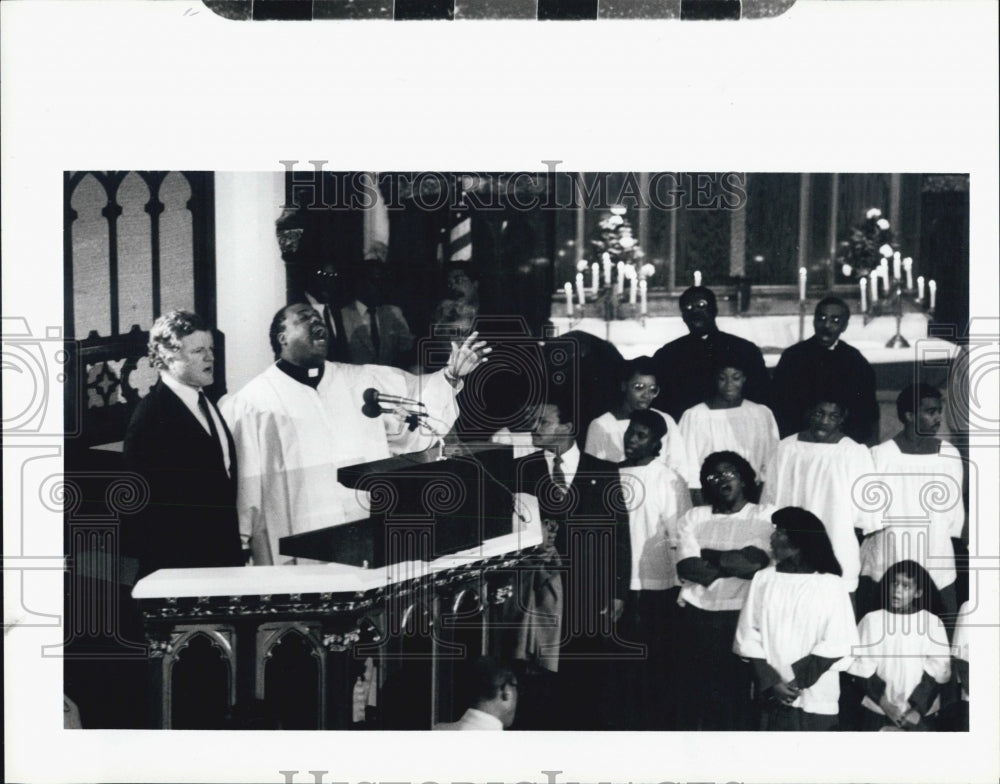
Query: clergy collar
[[308, 376]]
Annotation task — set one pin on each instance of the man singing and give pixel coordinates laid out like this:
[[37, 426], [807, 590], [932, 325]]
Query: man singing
[[180, 445], [301, 420]]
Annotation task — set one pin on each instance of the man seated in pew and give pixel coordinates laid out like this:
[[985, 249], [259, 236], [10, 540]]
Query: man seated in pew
[[304, 417], [180, 444], [826, 365], [494, 697], [686, 365]]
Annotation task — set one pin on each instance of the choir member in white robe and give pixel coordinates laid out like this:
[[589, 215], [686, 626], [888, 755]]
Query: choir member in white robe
[[904, 655], [301, 420], [655, 497], [960, 667], [797, 626], [923, 475], [818, 469], [606, 433], [726, 421], [720, 547]]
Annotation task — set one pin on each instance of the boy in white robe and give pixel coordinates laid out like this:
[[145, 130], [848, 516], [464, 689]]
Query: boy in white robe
[[817, 470], [301, 420], [924, 476]]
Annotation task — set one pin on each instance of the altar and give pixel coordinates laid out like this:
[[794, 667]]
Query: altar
[[325, 646]]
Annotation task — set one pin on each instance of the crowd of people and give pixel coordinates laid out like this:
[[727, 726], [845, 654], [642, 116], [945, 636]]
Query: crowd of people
[[712, 557]]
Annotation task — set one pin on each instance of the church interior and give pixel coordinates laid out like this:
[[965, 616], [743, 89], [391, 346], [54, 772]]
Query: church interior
[[597, 260]]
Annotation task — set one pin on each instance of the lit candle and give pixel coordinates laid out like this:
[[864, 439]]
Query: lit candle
[[632, 281], [908, 268], [932, 288], [883, 270], [606, 258], [621, 277], [697, 278], [595, 270], [802, 284], [579, 289], [873, 279], [643, 306], [568, 288], [863, 285], [920, 288], [897, 271]]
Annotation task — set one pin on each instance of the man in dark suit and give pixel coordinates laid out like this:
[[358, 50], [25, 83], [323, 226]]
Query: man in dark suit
[[825, 366], [583, 495], [179, 443], [687, 365]]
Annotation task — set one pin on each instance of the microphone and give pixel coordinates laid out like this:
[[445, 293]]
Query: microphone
[[373, 397]]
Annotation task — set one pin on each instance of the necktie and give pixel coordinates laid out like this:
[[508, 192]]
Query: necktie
[[373, 325], [203, 407], [558, 475]]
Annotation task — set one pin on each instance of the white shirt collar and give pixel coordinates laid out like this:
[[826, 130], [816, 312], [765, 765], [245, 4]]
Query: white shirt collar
[[362, 307], [189, 395], [570, 462]]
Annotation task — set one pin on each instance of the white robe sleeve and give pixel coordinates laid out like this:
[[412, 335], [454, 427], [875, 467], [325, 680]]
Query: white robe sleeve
[[862, 467], [839, 635], [866, 654], [433, 390], [678, 503], [749, 640], [599, 442], [242, 421], [937, 656]]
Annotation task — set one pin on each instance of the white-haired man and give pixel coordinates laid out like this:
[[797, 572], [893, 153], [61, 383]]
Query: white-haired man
[[180, 444]]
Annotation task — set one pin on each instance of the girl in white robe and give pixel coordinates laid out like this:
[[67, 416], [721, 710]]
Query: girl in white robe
[[725, 421], [655, 497], [797, 626], [606, 434], [904, 655]]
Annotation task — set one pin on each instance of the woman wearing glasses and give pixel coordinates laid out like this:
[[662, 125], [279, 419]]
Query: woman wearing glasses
[[606, 434], [720, 547]]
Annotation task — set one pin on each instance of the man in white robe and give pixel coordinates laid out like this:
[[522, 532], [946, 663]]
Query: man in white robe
[[301, 420]]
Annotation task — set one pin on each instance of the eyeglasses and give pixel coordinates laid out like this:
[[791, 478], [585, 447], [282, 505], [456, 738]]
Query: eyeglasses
[[834, 320], [698, 304], [325, 274], [719, 477], [639, 388]]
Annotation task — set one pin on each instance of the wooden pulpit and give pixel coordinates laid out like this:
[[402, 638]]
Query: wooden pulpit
[[422, 507]]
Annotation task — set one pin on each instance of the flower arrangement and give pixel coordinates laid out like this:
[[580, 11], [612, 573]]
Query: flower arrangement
[[868, 245]]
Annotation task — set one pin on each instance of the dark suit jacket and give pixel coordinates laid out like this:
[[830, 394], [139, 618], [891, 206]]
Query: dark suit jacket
[[190, 520], [594, 568], [807, 371], [685, 370]]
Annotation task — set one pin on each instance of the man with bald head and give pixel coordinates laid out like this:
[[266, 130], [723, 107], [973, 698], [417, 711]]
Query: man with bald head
[[686, 366], [302, 419]]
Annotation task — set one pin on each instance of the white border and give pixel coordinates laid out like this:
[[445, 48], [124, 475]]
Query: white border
[[853, 86]]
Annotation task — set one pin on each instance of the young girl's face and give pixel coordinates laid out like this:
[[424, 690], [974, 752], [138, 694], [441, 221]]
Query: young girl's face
[[825, 420], [781, 547], [640, 391], [903, 592], [729, 384], [640, 442]]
